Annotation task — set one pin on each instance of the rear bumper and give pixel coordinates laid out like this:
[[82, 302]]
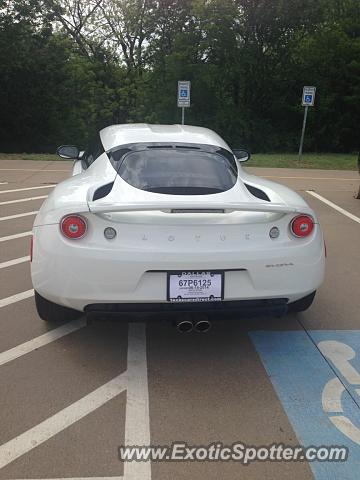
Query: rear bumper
[[246, 308], [80, 274]]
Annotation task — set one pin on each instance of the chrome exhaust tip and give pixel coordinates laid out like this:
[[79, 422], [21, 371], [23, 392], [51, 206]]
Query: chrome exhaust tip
[[202, 326], [184, 326]]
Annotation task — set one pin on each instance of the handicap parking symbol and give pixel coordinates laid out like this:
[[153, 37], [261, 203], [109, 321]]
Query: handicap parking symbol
[[316, 376], [183, 93], [308, 98], [340, 355]]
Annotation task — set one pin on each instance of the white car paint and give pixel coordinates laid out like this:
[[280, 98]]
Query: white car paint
[[151, 241], [141, 132]]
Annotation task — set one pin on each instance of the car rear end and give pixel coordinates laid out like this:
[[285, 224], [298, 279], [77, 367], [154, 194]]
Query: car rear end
[[135, 266], [151, 245]]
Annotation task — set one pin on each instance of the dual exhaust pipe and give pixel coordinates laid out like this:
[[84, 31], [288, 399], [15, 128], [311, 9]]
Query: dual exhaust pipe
[[187, 325]]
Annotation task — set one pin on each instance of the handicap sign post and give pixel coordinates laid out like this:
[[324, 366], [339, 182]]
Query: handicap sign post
[[183, 98], [308, 100]]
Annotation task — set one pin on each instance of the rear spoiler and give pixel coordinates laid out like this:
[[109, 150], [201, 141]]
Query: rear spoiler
[[95, 207]]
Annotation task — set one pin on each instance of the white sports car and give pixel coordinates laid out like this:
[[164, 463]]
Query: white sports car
[[163, 217]]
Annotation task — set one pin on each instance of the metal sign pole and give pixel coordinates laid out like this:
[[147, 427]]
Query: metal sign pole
[[303, 132], [183, 98], [308, 100]]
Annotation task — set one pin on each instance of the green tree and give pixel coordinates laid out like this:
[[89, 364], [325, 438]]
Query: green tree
[[70, 67]]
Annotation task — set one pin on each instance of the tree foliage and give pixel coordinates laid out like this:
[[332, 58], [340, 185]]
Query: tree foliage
[[70, 67]]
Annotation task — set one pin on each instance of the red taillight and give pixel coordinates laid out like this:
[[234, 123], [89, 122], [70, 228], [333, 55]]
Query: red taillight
[[302, 226], [73, 226], [31, 247]]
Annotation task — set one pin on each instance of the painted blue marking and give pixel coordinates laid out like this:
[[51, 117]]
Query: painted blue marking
[[299, 374]]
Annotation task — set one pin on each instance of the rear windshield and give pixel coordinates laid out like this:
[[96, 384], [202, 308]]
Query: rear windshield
[[179, 170]]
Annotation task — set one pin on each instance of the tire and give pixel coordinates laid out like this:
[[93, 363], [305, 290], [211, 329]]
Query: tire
[[51, 312], [302, 304]]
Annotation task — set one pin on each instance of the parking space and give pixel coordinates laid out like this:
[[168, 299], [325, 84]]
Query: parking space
[[72, 394], [321, 401], [14, 249]]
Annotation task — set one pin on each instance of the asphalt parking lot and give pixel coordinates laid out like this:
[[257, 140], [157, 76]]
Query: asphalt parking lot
[[72, 394]]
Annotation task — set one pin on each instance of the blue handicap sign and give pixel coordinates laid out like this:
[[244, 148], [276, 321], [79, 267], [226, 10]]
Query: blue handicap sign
[[316, 376], [183, 93], [308, 98]]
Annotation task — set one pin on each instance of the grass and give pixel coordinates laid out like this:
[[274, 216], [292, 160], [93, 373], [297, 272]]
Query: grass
[[30, 156], [324, 161]]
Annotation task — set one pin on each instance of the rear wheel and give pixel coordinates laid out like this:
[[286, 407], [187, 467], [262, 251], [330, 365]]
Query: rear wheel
[[51, 312], [302, 304]]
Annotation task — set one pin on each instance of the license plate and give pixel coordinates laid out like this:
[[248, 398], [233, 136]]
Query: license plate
[[195, 286]]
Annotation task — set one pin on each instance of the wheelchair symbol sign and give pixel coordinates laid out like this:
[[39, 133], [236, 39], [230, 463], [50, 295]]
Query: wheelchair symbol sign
[[308, 96], [340, 354], [316, 376], [183, 97]]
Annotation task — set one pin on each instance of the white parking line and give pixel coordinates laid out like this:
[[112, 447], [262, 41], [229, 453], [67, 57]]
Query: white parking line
[[4, 302], [11, 217], [45, 430], [137, 430], [13, 237], [42, 340], [23, 200], [137, 423], [27, 188], [4, 183], [15, 261], [334, 206]]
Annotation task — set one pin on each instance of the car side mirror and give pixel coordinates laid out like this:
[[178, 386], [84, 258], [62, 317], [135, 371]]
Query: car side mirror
[[242, 155], [69, 152]]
